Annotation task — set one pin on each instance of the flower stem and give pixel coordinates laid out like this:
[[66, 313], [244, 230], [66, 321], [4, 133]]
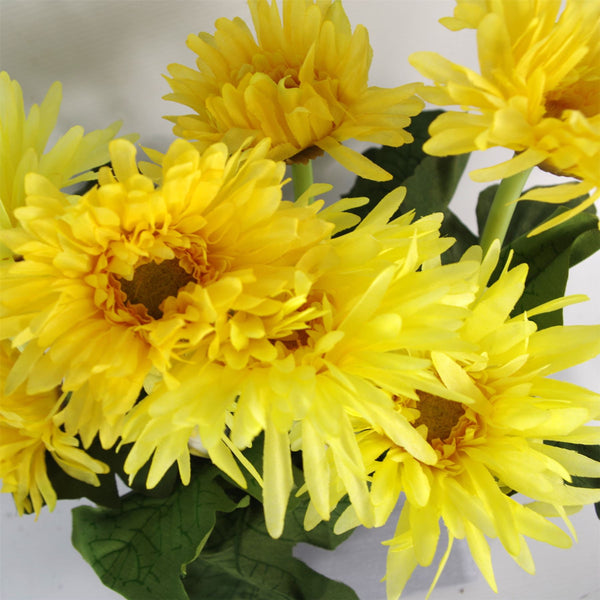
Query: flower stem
[[302, 176], [502, 209]]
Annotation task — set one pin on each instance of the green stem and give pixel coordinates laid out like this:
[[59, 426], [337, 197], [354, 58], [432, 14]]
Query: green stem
[[302, 176], [502, 209]]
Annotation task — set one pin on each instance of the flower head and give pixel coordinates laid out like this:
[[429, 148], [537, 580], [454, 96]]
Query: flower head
[[28, 432], [537, 93], [302, 83], [23, 142], [119, 284], [487, 424], [343, 347]]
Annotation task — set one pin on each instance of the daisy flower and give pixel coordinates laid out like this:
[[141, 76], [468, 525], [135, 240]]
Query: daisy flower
[[537, 93], [28, 433], [488, 424], [303, 83], [117, 285]]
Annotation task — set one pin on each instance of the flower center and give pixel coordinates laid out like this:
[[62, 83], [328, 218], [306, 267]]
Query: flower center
[[153, 282], [583, 96], [299, 339], [439, 415]]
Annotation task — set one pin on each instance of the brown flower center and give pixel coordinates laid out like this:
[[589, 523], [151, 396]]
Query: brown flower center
[[439, 415], [583, 96], [153, 282]]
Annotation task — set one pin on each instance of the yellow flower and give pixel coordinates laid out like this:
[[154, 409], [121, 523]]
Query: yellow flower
[[118, 285], [364, 306], [487, 424], [23, 141], [537, 93], [302, 83], [27, 433]]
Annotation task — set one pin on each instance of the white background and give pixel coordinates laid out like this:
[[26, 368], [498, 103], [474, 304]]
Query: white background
[[109, 55]]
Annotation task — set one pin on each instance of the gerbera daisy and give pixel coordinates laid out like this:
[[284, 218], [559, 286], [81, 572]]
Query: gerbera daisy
[[23, 141], [537, 93], [365, 306], [118, 284], [487, 426], [302, 83], [28, 433]]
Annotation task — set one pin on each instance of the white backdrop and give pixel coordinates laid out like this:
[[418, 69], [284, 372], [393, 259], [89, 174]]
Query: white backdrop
[[109, 55]]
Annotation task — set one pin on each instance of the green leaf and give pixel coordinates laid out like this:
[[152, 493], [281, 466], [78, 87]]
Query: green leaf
[[430, 181], [242, 561], [141, 549], [549, 255]]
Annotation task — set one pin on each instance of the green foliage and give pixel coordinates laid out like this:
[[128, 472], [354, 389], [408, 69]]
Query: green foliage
[[142, 548], [430, 181], [200, 543], [549, 254], [241, 561]]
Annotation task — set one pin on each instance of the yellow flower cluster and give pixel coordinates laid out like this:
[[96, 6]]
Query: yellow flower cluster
[[363, 309], [185, 308], [240, 314], [537, 93]]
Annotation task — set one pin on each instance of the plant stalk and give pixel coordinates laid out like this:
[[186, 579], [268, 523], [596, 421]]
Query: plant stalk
[[502, 209], [302, 176]]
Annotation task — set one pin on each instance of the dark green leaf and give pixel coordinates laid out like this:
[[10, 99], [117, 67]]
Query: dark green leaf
[[549, 255], [141, 550], [584, 246], [242, 561], [430, 181], [403, 163]]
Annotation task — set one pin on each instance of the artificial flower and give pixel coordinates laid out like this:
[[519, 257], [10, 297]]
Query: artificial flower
[[28, 433], [537, 93], [487, 424], [23, 141], [366, 306], [117, 285], [302, 83]]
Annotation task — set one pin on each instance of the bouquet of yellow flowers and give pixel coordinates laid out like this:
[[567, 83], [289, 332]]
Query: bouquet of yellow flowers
[[259, 367]]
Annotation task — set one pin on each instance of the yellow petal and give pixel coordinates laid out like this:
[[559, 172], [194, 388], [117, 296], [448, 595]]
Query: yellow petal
[[352, 160], [278, 480]]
